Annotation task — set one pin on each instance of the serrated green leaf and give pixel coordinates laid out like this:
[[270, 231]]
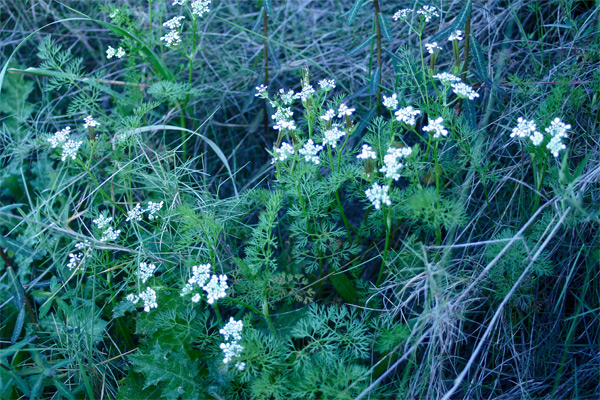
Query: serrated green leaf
[[385, 27], [361, 46], [354, 11]]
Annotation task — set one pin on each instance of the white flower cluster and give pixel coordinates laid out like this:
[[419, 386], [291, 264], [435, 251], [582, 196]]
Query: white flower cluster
[[390, 102], [402, 14], [77, 259], [557, 131], [179, 2], [172, 39], [174, 22], [310, 152], [464, 91], [367, 153], [331, 136], [261, 91], [135, 214], [408, 115], [108, 233], [432, 47], [329, 115], [287, 98], [200, 7], [232, 348], [283, 152], [283, 118], [69, 147], [428, 12], [327, 84], [456, 35], [305, 94], [391, 161], [110, 52], [146, 271], [436, 127], [378, 195], [148, 296], [215, 288], [447, 78], [153, 209], [344, 110], [90, 122]]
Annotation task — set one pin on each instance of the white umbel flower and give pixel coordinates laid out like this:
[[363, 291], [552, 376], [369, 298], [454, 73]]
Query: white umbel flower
[[261, 91], [558, 130], [146, 271], [401, 15], [378, 195], [172, 39], [69, 149], [216, 288], [310, 152], [407, 115], [428, 12], [436, 127], [390, 102], [231, 350], [524, 128], [456, 35], [90, 122], [60, 137], [149, 298], [110, 234], [74, 260], [174, 22], [135, 214], [464, 91], [153, 209], [329, 114], [391, 161], [200, 7], [327, 84], [367, 153], [102, 221], [447, 78], [283, 152], [432, 47], [331, 136], [306, 92], [233, 329], [344, 110], [200, 274]]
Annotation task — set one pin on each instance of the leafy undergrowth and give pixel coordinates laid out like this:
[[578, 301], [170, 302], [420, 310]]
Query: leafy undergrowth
[[311, 200]]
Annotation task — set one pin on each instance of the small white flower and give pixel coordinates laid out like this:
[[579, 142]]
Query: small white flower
[[240, 366], [310, 152], [83, 245], [110, 234], [408, 115], [135, 214], [456, 35], [231, 350], [432, 47], [69, 149], [200, 7], [179, 2], [524, 128], [215, 288], [149, 297], [196, 298], [327, 84], [428, 12], [233, 329], [447, 78], [110, 52], [146, 271], [537, 138], [153, 209], [90, 122], [345, 111], [283, 152], [305, 93], [286, 98], [367, 153], [114, 13], [402, 14], [331, 136], [390, 102], [174, 22], [283, 119], [391, 161], [329, 114], [464, 91], [120, 52], [558, 128], [555, 145], [378, 195], [60, 137], [437, 127], [74, 260], [132, 298], [261, 91], [172, 39], [102, 221]]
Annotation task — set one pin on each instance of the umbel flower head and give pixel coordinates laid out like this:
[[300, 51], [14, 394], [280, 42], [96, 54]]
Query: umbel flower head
[[378, 195], [408, 115], [310, 151], [283, 152], [436, 127]]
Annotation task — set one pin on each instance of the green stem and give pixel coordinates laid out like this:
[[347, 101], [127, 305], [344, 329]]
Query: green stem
[[388, 230]]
